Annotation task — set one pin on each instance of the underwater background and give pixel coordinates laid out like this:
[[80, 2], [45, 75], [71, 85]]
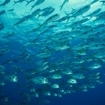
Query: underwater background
[[52, 52]]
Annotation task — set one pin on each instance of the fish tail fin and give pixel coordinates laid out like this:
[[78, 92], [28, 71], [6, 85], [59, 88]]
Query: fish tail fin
[[73, 10], [61, 7], [40, 25], [27, 3], [31, 8], [103, 4], [68, 15], [15, 2]]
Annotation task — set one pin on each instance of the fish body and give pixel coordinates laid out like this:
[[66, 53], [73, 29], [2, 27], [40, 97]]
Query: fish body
[[38, 2], [78, 76], [81, 11], [94, 1], [47, 11], [50, 19], [40, 80], [100, 16], [1, 26], [25, 18], [65, 18], [9, 35], [35, 13], [2, 12], [22, 20], [95, 12]]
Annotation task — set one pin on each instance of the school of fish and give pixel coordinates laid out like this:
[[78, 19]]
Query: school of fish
[[50, 48]]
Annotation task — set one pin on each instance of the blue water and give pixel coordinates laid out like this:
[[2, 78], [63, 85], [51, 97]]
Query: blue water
[[52, 51], [92, 97]]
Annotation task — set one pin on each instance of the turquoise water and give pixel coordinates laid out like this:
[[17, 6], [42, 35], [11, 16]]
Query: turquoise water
[[52, 52]]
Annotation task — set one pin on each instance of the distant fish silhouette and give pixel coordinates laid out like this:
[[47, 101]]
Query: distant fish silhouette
[[5, 2], [65, 1]]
